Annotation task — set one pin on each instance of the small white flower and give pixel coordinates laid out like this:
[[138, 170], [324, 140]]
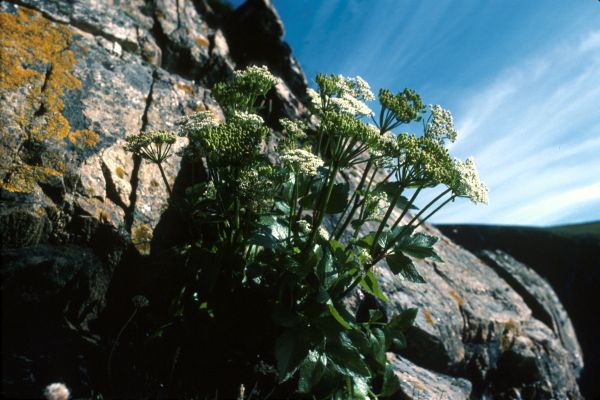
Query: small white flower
[[359, 88], [315, 98], [323, 233], [376, 205], [468, 183], [257, 72], [349, 104], [441, 124], [293, 128], [247, 119], [364, 255], [301, 161], [57, 391], [304, 227], [197, 122]]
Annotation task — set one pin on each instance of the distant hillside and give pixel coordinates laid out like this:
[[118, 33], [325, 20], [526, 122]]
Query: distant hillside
[[569, 258], [589, 229]]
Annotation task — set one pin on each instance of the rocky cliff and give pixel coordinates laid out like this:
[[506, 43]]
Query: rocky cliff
[[85, 226], [566, 257]]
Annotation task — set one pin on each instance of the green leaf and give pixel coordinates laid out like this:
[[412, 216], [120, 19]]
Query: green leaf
[[338, 199], [391, 381], [376, 340], [345, 357], [395, 328], [360, 388], [325, 270], [405, 319], [283, 207], [403, 266], [366, 241], [418, 245], [334, 312], [289, 353], [370, 285], [311, 371]]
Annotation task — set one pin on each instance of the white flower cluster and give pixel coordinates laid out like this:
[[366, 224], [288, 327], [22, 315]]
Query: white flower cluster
[[350, 98], [315, 97], [441, 124], [247, 119], [301, 161], [304, 227], [349, 104], [468, 183], [323, 233], [261, 73], [57, 391], [196, 122], [359, 88], [376, 205], [294, 129], [364, 256]]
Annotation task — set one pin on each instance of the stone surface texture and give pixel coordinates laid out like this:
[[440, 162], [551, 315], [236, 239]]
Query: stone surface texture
[[76, 210]]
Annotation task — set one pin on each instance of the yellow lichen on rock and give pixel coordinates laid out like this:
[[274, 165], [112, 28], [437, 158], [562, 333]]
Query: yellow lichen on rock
[[141, 237], [83, 138], [35, 60]]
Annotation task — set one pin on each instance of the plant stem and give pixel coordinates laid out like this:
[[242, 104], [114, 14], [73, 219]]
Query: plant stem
[[323, 206], [164, 177], [116, 343]]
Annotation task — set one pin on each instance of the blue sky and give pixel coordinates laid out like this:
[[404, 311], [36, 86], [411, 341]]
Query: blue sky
[[522, 79]]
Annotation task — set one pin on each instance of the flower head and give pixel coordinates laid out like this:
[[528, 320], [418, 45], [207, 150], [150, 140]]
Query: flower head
[[153, 146], [345, 95], [405, 106], [301, 161], [197, 122], [376, 204], [304, 227], [247, 85], [467, 182], [441, 125], [57, 391], [323, 234], [140, 301]]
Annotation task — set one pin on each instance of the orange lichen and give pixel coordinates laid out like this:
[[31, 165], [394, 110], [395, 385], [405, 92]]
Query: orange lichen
[[459, 300], [141, 237], [428, 317], [35, 60], [83, 138], [186, 87], [511, 330], [120, 172], [104, 216], [201, 41]]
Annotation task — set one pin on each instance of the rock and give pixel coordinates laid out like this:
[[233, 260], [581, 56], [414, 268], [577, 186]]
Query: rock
[[570, 263], [469, 317], [541, 299], [418, 383]]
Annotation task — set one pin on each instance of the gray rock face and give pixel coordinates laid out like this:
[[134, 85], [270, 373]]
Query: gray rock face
[[473, 324], [78, 77]]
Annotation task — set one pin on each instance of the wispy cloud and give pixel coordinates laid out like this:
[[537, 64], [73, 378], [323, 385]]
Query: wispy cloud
[[535, 133]]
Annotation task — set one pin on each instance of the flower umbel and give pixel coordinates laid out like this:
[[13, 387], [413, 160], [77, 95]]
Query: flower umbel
[[441, 125], [301, 161], [154, 146], [468, 183], [57, 391]]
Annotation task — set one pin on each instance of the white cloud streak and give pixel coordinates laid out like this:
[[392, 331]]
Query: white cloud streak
[[535, 134]]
